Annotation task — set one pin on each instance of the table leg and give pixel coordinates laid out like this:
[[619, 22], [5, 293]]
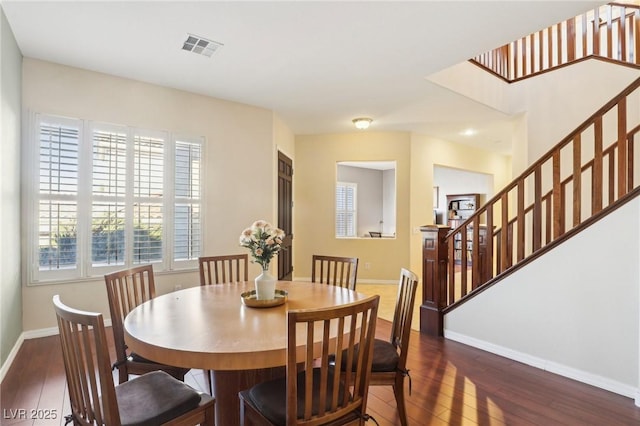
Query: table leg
[[227, 384]]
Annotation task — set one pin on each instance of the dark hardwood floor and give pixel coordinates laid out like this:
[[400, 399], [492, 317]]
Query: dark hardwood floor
[[452, 384]]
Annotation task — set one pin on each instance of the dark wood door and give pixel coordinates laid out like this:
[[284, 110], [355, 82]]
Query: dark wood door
[[285, 213]]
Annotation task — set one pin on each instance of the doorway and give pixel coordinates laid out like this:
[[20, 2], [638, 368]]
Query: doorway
[[285, 216], [449, 180]]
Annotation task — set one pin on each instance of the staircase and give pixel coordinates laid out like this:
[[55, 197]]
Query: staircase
[[587, 175], [610, 32]]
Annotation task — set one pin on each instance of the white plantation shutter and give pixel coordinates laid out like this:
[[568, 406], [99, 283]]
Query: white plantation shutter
[[147, 233], [346, 207], [110, 201], [109, 188], [187, 221], [58, 147], [148, 190], [148, 167]]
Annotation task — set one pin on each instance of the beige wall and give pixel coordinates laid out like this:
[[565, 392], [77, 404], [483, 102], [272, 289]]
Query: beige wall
[[416, 155], [426, 152], [240, 187], [314, 196], [239, 161]]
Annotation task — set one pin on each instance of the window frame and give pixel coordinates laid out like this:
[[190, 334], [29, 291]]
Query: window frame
[[85, 269]]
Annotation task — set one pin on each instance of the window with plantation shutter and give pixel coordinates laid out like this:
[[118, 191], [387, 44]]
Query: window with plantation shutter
[[346, 208], [109, 187], [148, 192], [111, 196], [57, 207], [187, 226]]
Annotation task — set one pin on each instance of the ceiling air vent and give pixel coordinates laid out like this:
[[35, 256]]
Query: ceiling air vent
[[200, 45]]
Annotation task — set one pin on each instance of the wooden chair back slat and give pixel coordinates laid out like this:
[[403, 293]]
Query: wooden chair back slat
[[232, 268], [86, 360], [398, 339], [92, 392], [127, 289], [353, 328], [403, 314], [334, 270]]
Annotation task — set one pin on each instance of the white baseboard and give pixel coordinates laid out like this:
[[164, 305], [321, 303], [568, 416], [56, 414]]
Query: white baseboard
[[42, 332], [31, 334], [12, 355], [550, 366]]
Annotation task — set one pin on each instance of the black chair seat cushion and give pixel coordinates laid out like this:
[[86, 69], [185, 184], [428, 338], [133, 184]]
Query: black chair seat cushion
[[385, 357], [270, 398], [154, 398]]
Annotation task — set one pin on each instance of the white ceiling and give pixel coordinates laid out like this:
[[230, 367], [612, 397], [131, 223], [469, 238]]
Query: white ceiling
[[317, 64]]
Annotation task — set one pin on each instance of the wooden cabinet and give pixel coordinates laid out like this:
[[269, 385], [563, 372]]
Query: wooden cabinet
[[459, 208]]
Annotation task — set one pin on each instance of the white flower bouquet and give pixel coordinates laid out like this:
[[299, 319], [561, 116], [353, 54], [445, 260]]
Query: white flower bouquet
[[263, 240]]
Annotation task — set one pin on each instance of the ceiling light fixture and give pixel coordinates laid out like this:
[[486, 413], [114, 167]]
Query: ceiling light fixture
[[362, 122], [468, 132], [200, 45]]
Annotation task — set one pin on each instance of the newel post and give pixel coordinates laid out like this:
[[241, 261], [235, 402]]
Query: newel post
[[434, 279]]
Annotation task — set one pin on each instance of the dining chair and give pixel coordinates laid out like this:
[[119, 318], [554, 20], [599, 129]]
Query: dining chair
[[389, 366], [150, 399], [314, 393], [232, 268], [333, 270], [224, 269], [127, 289]]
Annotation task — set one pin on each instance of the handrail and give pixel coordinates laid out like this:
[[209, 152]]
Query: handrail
[[584, 174], [601, 32]]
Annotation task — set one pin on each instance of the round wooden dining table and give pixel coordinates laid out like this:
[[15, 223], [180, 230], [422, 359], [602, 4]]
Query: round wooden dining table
[[209, 327]]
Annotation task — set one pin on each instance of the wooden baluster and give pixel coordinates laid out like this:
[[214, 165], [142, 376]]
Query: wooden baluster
[[549, 222], [540, 51], [489, 256], [612, 177], [434, 278], [636, 32], [577, 181], [558, 212], [532, 53], [520, 242], [571, 39], [596, 174], [504, 233], [537, 209], [475, 252], [622, 147]]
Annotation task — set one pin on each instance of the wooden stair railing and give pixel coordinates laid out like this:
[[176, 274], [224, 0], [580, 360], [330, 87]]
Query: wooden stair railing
[[574, 181], [610, 32]]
